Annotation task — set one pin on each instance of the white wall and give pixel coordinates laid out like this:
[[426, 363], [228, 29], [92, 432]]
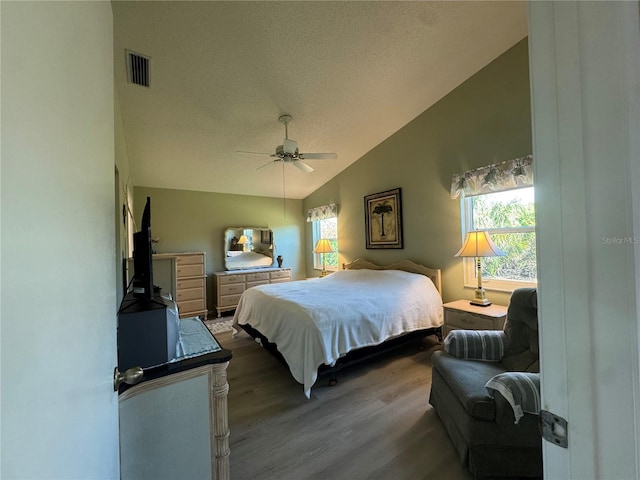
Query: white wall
[[58, 302]]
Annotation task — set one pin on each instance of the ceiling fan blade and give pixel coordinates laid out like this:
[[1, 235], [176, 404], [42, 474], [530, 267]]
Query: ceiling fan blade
[[290, 146], [268, 163], [318, 156], [302, 166], [252, 153]]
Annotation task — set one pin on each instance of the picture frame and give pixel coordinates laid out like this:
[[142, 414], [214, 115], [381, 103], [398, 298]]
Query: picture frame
[[383, 219], [266, 237]]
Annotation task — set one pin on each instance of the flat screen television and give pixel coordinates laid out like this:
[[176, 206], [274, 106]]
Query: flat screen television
[[148, 323], [142, 259]]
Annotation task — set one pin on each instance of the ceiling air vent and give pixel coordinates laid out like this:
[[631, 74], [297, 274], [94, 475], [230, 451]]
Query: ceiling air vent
[[138, 69]]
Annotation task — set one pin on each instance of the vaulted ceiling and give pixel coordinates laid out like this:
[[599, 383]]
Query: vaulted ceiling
[[350, 73]]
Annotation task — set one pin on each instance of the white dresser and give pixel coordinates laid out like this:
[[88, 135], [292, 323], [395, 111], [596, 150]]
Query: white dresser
[[230, 284], [174, 424], [190, 290]]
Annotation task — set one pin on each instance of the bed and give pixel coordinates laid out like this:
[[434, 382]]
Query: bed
[[322, 323], [244, 260]]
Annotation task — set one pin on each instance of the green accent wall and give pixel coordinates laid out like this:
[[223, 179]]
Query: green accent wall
[[190, 221], [485, 120]]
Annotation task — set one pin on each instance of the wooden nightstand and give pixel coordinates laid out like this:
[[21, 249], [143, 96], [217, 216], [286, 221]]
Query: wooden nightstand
[[462, 315]]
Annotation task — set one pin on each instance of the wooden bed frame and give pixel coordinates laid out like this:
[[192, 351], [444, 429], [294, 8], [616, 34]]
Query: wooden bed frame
[[366, 353], [435, 274]]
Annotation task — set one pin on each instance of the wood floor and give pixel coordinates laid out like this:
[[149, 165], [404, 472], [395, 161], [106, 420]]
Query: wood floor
[[376, 423]]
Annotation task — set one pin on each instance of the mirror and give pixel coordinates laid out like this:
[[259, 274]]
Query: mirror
[[248, 247]]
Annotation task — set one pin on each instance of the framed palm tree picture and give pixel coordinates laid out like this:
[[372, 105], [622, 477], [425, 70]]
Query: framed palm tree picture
[[383, 219]]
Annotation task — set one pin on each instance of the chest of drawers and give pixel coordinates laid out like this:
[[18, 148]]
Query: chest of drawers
[[230, 285], [190, 283]]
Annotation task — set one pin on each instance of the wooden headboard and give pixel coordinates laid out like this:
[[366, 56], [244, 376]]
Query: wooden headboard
[[435, 274]]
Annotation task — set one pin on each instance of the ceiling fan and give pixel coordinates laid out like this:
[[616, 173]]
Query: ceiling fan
[[288, 152]]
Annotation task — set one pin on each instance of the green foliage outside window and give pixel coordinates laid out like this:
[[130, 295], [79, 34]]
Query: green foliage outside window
[[509, 217], [329, 230], [519, 262], [332, 258]]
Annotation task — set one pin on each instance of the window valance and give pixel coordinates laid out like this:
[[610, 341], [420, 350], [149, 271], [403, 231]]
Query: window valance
[[515, 173], [322, 213]]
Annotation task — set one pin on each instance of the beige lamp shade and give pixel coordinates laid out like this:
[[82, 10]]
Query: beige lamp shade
[[243, 240], [479, 244], [323, 246]]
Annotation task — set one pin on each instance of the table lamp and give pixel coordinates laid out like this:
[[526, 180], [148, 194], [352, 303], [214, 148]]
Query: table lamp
[[323, 246], [243, 241], [478, 244]]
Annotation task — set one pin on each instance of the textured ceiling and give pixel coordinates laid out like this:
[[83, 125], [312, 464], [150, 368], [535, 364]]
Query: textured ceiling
[[351, 73]]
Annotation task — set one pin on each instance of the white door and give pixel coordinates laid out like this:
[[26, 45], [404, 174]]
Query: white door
[[59, 411], [585, 86]]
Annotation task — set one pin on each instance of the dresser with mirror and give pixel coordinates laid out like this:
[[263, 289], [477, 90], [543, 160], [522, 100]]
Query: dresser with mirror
[[249, 261]]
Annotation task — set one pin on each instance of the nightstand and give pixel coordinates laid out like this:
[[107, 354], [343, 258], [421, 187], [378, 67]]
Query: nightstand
[[462, 315]]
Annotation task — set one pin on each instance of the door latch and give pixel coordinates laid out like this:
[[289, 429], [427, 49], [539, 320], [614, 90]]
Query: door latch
[[554, 429]]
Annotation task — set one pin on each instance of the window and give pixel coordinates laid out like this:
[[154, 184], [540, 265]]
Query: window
[[247, 245], [509, 218], [326, 228]]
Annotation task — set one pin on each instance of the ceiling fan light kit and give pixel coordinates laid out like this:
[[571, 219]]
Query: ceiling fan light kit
[[290, 147], [288, 152]]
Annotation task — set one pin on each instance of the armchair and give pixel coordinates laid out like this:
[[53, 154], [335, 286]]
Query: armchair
[[485, 390]]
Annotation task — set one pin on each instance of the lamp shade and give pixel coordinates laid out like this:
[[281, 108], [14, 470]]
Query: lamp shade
[[323, 246], [479, 244], [243, 240]]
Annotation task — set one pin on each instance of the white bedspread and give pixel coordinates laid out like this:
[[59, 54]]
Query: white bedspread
[[248, 260], [318, 321]]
